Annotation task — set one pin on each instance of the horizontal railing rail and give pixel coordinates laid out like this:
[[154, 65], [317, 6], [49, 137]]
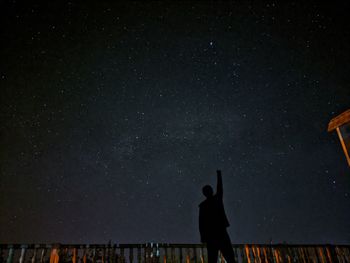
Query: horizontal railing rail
[[170, 253]]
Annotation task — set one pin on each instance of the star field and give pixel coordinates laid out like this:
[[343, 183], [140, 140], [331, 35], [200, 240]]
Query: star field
[[114, 115]]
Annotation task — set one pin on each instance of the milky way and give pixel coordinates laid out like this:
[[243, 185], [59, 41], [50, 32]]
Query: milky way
[[113, 117]]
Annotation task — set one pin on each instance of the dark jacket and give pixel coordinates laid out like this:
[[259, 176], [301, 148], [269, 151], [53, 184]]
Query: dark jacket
[[212, 218]]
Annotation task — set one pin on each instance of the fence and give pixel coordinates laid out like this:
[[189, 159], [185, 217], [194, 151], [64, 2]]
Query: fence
[[170, 253]]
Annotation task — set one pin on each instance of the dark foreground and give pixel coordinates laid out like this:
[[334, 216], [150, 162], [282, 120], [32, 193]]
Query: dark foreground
[[169, 253]]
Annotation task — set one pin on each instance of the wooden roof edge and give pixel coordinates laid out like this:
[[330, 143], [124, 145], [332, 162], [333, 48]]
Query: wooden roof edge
[[339, 120]]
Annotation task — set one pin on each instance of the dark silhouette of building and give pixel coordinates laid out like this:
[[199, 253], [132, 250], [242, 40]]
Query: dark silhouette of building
[[213, 223]]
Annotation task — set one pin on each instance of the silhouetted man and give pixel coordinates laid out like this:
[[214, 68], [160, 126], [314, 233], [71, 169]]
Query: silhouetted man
[[213, 223]]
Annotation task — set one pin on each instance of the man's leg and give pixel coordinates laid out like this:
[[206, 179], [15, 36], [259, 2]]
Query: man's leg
[[226, 249], [212, 252]]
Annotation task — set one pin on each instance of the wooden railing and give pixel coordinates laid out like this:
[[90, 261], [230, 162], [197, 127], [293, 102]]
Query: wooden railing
[[169, 253]]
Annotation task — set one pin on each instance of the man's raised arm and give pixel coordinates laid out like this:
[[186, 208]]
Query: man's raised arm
[[219, 187]]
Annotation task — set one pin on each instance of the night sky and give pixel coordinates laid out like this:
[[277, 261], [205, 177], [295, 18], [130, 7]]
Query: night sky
[[114, 116]]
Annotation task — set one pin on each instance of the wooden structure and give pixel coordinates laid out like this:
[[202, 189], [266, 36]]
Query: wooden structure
[[170, 253], [341, 124]]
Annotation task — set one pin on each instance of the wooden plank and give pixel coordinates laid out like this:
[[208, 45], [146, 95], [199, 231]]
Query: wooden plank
[[339, 120], [343, 145]]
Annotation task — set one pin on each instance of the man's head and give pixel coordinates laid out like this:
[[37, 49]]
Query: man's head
[[207, 191]]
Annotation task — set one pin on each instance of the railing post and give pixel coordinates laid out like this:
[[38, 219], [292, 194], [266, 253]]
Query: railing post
[[278, 254], [247, 252], [139, 256], [23, 252], [301, 255], [146, 254], [180, 255], [294, 254], [113, 253], [172, 255], [84, 255], [327, 255], [339, 254], [234, 248], [157, 253], [312, 255], [131, 255], [122, 258], [265, 258], [282, 254], [74, 257], [202, 256], [188, 255], [42, 255], [319, 254], [10, 255], [346, 253], [94, 250], [165, 254], [255, 254], [33, 260], [194, 249], [54, 257], [242, 254], [103, 257], [308, 255]]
